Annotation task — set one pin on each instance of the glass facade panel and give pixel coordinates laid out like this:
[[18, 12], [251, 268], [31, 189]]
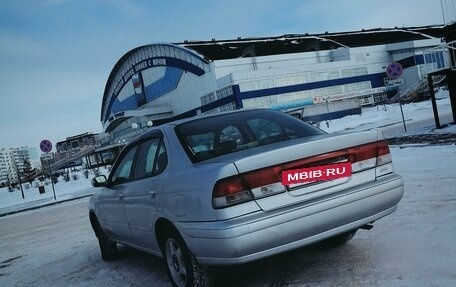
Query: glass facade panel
[[225, 108], [163, 85], [440, 60], [295, 96], [291, 80], [256, 85], [353, 72], [208, 98], [357, 86], [260, 102], [217, 95], [224, 92], [436, 59], [323, 76], [145, 58], [323, 92], [157, 82]]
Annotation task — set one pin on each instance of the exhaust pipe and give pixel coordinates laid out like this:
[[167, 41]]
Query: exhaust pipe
[[367, 227]]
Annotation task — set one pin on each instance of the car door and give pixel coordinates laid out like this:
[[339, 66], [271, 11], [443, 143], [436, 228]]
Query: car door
[[112, 199], [142, 194]]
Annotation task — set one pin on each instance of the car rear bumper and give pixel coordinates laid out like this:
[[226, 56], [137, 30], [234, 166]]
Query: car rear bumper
[[262, 234]]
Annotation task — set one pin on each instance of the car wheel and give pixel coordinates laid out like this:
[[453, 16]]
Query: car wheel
[[107, 247], [182, 267], [342, 238]]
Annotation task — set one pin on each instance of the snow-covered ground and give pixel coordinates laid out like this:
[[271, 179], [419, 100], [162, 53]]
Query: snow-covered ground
[[56, 246], [419, 119], [414, 246], [77, 186]]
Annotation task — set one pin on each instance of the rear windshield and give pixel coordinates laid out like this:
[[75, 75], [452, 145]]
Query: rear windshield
[[222, 134]]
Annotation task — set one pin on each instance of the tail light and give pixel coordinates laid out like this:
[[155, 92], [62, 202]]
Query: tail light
[[384, 160], [369, 156], [244, 187], [267, 181], [230, 191]]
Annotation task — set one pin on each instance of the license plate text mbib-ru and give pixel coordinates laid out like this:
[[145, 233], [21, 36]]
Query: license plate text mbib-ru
[[316, 173]]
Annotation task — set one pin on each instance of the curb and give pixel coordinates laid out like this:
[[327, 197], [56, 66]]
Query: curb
[[43, 205], [424, 139]]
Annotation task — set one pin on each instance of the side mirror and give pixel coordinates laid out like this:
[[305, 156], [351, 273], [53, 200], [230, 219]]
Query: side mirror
[[99, 181]]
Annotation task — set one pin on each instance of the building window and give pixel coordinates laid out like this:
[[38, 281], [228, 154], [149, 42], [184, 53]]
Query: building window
[[224, 92], [225, 108], [328, 91], [380, 97], [295, 96], [217, 95], [348, 88], [323, 76], [353, 72], [260, 102], [291, 80], [256, 85], [208, 98]]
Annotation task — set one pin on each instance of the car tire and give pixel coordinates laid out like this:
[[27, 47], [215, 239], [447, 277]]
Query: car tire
[[181, 265], [341, 239], [108, 248]]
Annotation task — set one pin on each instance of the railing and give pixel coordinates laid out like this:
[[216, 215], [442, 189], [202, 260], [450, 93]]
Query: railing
[[413, 89], [64, 161], [422, 85], [419, 87]]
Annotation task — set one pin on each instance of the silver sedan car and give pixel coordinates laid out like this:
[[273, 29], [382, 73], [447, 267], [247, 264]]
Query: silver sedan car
[[236, 187]]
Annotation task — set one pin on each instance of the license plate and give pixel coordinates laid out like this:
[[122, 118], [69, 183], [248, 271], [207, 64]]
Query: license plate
[[317, 173]]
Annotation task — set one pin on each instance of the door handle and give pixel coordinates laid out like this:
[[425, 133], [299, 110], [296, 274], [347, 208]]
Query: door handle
[[153, 194]]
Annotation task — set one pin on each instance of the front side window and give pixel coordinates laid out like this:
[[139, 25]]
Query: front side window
[[211, 137], [122, 171]]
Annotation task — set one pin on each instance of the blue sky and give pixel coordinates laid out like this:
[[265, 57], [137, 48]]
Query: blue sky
[[56, 55]]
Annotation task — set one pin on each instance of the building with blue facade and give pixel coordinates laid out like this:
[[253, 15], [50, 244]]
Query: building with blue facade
[[161, 82]]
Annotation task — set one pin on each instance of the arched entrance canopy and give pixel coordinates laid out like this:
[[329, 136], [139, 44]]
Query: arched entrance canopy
[[145, 57]]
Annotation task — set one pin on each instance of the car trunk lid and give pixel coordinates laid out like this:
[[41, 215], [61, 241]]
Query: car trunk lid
[[261, 172]]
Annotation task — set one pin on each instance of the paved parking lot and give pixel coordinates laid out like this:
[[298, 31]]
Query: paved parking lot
[[415, 246]]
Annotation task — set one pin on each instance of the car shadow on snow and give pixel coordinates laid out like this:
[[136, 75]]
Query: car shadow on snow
[[311, 264], [273, 271], [140, 268]]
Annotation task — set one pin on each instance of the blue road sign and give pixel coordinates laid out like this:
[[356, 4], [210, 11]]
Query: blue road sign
[[45, 146], [394, 70]]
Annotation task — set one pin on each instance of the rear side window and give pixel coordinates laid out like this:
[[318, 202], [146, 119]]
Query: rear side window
[[222, 134]]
